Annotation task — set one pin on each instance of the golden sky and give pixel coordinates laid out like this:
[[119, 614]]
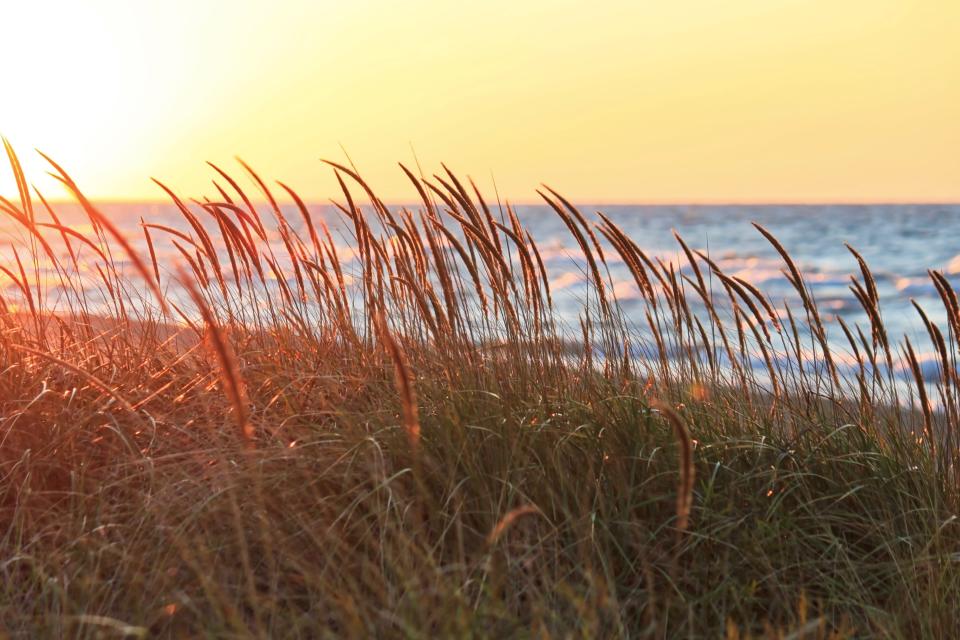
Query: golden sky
[[607, 101]]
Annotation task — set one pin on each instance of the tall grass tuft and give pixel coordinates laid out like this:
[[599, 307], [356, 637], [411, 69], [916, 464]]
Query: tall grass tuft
[[438, 454]]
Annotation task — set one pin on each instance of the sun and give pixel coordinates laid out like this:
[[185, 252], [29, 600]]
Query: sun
[[77, 86]]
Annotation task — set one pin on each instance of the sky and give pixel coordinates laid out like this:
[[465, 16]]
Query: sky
[[606, 101]]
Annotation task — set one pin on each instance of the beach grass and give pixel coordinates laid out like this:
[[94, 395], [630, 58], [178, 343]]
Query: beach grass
[[406, 442]]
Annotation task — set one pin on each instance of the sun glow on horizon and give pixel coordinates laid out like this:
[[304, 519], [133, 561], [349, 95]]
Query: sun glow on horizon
[[691, 101]]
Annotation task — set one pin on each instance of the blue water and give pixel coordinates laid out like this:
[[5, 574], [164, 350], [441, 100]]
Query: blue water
[[900, 242]]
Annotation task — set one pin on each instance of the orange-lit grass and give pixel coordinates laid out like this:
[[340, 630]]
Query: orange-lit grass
[[544, 494]]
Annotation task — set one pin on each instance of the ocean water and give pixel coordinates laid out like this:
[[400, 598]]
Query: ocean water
[[900, 243]]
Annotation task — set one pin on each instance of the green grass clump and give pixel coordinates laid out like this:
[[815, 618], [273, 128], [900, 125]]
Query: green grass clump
[[407, 444]]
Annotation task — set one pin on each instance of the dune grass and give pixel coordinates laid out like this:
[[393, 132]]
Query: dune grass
[[405, 442]]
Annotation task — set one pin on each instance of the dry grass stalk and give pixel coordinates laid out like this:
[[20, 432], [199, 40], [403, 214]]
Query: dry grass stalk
[[687, 471], [403, 377], [508, 520], [230, 372]]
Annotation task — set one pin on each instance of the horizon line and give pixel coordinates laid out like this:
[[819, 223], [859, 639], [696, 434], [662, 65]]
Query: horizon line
[[578, 202]]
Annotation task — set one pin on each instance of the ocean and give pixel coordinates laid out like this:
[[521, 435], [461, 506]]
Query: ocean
[[899, 242]]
